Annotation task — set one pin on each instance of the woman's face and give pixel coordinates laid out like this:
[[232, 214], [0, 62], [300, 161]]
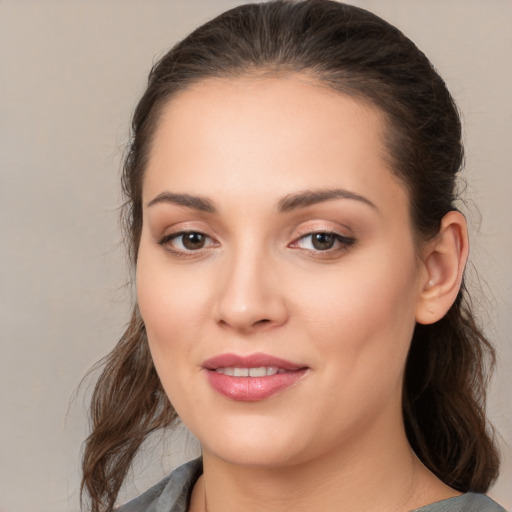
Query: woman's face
[[276, 239]]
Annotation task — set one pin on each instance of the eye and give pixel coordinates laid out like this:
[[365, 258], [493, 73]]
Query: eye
[[323, 241], [187, 241]]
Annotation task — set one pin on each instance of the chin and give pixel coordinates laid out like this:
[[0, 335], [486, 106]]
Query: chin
[[254, 455], [254, 443]]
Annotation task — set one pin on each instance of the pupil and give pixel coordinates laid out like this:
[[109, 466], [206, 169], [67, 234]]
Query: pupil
[[323, 241], [193, 240]]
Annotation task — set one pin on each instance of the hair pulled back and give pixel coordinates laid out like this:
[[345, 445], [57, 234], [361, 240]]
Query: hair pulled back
[[356, 53]]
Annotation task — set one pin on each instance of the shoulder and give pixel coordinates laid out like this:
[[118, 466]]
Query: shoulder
[[170, 494], [469, 502]]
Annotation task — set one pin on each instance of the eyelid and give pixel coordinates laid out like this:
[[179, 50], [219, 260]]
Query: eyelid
[[308, 229], [167, 228], [342, 243], [182, 232], [165, 242], [341, 238], [319, 226]]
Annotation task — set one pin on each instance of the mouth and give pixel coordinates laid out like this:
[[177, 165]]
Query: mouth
[[251, 378], [261, 371]]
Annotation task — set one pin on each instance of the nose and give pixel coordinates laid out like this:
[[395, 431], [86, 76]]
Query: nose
[[251, 297]]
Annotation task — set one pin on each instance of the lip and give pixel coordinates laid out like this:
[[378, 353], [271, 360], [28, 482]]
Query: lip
[[249, 361], [252, 389]]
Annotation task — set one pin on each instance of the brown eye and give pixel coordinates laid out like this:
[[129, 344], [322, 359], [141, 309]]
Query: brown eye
[[193, 241], [323, 241], [186, 242]]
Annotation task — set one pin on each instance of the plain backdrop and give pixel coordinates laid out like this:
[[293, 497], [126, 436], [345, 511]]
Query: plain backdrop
[[70, 74]]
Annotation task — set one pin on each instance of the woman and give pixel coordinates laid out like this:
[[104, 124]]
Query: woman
[[299, 261]]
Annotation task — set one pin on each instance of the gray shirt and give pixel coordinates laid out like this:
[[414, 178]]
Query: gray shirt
[[172, 494]]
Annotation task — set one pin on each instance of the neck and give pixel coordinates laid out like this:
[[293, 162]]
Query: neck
[[378, 472]]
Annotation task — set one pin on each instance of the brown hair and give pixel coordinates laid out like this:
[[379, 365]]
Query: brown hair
[[356, 53]]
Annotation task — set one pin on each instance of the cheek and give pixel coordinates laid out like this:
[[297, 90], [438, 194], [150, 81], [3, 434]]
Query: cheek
[[364, 316], [165, 305], [169, 305], [167, 294]]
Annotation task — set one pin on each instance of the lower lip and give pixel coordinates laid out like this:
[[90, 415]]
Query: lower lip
[[252, 389]]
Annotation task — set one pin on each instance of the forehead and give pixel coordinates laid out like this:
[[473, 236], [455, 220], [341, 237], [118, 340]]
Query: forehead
[[267, 135]]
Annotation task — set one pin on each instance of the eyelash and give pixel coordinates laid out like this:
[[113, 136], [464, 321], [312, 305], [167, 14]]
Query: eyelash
[[182, 253], [342, 242]]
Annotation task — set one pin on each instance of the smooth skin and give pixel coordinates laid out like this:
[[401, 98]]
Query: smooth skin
[[243, 167]]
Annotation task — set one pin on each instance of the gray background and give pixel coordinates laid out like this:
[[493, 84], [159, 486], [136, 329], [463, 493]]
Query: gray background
[[70, 74]]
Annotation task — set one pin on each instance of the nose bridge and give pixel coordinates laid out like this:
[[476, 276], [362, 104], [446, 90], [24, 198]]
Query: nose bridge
[[250, 297]]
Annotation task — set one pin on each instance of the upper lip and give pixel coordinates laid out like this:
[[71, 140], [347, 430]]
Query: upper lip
[[250, 361]]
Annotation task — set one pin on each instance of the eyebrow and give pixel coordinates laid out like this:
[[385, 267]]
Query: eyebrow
[[288, 203], [311, 197], [196, 202]]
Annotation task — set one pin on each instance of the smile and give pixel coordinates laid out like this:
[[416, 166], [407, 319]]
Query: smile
[[251, 378], [261, 371]]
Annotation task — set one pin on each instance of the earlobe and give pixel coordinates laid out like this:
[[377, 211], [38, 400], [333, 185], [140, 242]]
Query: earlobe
[[444, 261]]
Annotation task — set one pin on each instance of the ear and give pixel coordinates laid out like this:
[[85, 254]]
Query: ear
[[444, 259]]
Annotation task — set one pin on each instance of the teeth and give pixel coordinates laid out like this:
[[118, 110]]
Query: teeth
[[257, 372], [262, 371]]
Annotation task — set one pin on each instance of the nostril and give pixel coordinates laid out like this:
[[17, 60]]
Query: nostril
[[262, 321]]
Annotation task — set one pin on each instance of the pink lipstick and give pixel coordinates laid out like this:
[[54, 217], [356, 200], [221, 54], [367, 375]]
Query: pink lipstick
[[251, 378]]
